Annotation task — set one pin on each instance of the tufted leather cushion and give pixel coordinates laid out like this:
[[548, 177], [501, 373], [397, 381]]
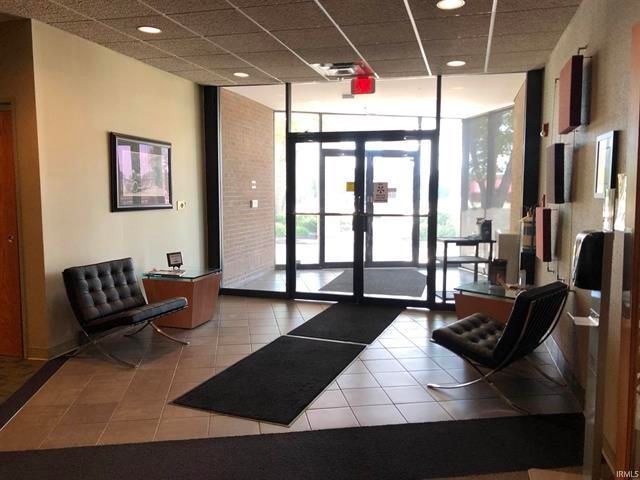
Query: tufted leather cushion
[[135, 315], [474, 337], [102, 289]]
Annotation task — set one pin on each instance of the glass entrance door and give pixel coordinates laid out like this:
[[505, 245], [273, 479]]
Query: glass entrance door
[[361, 211], [396, 211], [324, 217]]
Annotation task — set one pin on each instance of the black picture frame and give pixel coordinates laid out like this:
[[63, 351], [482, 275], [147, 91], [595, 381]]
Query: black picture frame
[[174, 259], [605, 170], [128, 156]]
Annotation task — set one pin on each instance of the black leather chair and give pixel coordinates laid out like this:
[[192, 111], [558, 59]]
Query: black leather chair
[[485, 342], [106, 298]]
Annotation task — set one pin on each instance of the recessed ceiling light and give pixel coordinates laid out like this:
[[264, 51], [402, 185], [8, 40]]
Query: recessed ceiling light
[[149, 29], [456, 63], [241, 74], [450, 4]]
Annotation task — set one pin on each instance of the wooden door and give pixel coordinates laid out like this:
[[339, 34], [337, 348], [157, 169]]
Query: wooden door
[[10, 306]]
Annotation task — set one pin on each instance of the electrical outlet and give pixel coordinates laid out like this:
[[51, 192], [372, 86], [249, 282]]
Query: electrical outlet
[[181, 204], [254, 204]]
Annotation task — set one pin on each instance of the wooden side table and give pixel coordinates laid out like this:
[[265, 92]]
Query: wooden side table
[[199, 286]]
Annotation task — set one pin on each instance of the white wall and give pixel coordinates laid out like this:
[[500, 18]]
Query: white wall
[[84, 91]]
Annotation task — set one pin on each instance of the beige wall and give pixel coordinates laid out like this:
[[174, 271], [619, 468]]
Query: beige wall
[[247, 154], [17, 88], [84, 91], [604, 26]]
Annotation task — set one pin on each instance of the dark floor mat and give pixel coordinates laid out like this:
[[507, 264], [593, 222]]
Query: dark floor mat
[[405, 282], [276, 383], [349, 322]]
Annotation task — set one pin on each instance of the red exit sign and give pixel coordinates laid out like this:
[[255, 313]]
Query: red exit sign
[[363, 85]]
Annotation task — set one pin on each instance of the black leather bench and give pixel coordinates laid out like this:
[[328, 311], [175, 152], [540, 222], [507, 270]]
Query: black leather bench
[[106, 298]]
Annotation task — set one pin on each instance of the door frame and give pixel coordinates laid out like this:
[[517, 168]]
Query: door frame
[[360, 138], [8, 106]]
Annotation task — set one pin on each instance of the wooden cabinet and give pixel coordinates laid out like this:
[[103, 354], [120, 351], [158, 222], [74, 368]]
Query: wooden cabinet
[[201, 291]]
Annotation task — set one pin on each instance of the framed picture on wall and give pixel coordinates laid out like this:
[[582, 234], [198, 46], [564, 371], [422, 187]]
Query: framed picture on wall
[[140, 173], [605, 171]]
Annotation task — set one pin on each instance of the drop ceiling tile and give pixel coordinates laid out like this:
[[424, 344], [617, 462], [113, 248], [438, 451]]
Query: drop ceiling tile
[[43, 11], [217, 22], [292, 71], [304, 79], [187, 46], [515, 5], [391, 51], [130, 26], [312, 38], [328, 54], [380, 33], [530, 59], [187, 6], [93, 31], [525, 42], [169, 64], [404, 74], [100, 10], [427, 9], [273, 59], [262, 3], [217, 61], [458, 46], [383, 67], [248, 42], [255, 76], [359, 12], [453, 27], [203, 77], [549, 20], [289, 16], [440, 64], [135, 49], [422, 9]]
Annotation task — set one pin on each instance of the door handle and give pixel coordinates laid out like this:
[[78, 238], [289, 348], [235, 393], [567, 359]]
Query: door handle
[[10, 238]]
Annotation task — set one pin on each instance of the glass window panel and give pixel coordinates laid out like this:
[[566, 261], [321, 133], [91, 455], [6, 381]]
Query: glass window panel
[[339, 170], [425, 175], [353, 123], [305, 122], [338, 239], [307, 240], [428, 123], [307, 178], [397, 173], [392, 239]]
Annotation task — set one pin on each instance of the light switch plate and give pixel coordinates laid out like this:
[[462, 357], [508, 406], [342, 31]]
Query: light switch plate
[[254, 204]]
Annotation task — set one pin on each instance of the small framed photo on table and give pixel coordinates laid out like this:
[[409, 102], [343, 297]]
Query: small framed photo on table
[[174, 259]]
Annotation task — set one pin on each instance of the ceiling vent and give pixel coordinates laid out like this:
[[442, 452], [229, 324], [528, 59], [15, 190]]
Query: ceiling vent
[[340, 70]]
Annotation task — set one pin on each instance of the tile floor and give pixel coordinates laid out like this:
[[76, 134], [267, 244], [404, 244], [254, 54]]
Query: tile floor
[[14, 372], [91, 401]]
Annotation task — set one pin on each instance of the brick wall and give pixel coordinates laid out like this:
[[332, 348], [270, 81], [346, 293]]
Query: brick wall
[[247, 154]]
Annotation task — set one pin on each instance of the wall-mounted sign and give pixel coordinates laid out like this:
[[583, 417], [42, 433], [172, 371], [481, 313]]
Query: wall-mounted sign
[[380, 192]]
